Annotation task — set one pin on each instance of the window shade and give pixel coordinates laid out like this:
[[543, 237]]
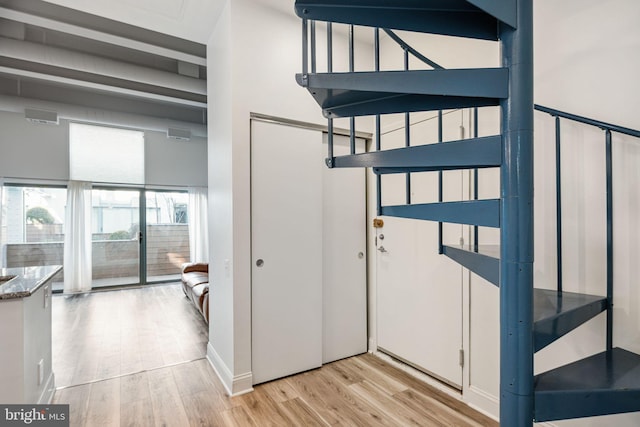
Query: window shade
[[104, 154]]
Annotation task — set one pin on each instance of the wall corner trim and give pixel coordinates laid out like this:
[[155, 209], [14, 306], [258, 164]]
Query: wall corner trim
[[233, 385]]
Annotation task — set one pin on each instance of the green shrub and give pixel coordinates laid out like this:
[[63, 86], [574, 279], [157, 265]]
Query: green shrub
[[39, 215], [120, 235]]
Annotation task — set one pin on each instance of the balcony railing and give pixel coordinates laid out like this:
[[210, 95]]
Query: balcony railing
[[114, 261]]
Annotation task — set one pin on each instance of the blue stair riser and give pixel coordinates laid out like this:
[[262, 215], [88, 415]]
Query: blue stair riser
[[368, 93], [472, 82], [471, 19], [464, 154], [484, 213], [385, 104]]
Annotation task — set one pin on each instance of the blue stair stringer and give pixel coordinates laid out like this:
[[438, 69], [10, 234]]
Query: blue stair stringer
[[530, 319]]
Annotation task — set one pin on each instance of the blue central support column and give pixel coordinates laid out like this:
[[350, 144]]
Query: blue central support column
[[516, 240]]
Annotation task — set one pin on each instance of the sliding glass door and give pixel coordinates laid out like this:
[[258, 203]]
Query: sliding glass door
[[115, 223], [167, 236], [131, 248]]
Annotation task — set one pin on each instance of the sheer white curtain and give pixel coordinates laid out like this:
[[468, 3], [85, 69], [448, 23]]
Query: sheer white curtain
[[198, 225], [77, 238]]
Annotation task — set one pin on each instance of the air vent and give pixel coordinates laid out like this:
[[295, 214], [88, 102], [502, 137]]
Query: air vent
[[180, 134], [41, 116]]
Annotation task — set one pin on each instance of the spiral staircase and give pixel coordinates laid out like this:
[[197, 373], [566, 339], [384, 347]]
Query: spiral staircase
[[530, 319]]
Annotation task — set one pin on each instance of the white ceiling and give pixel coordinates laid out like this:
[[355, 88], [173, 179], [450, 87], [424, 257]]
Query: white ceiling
[[188, 19]]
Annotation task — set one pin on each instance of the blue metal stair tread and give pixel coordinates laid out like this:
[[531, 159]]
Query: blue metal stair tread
[[463, 154], [464, 18], [556, 314], [485, 262], [484, 213], [605, 383], [385, 92]]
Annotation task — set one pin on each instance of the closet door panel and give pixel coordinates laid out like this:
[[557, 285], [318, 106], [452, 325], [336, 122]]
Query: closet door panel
[[286, 211], [344, 257]]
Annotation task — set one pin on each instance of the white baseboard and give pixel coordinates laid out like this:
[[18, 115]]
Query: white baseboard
[[234, 385], [49, 390], [482, 401]]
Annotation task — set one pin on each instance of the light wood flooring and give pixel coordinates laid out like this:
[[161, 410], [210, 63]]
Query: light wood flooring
[[358, 391], [105, 334]]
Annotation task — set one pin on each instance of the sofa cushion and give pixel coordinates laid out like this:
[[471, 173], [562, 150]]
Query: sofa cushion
[[190, 280], [190, 267], [195, 284], [197, 294]]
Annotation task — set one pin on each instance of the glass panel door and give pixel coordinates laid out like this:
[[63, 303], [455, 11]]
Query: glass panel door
[[167, 236], [116, 230]]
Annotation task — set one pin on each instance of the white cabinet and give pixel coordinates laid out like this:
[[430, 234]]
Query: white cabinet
[[25, 333], [308, 253]]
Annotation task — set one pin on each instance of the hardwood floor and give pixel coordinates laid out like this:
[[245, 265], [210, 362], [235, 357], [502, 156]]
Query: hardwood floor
[[358, 391], [105, 334]]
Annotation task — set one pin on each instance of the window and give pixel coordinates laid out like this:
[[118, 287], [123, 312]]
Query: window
[[102, 154], [33, 226]]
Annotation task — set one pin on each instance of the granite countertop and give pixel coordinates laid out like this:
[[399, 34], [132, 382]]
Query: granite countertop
[[27, 280]]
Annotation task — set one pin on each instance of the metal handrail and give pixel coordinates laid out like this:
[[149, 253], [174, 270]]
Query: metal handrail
[[404, 45], [608, 128], [586, 120]]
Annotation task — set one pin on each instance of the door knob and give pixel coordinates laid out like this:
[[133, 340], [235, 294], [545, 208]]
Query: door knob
[[382, 249]]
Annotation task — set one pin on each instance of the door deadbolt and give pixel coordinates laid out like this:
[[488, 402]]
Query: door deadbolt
[[260, 262], [381, 236]]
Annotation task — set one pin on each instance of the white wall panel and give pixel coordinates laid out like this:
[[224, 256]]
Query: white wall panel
[[173, 162], [32, 150]]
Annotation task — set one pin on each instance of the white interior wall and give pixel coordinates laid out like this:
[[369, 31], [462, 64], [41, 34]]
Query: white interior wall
[[32, 150], [41, 152], [253, 56]]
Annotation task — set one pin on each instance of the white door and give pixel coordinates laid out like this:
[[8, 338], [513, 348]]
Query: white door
[[344, 257], [286, 221], [419, 292]]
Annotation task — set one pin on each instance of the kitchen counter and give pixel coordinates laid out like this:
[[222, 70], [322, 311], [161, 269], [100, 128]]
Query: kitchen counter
[[21, 282]]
